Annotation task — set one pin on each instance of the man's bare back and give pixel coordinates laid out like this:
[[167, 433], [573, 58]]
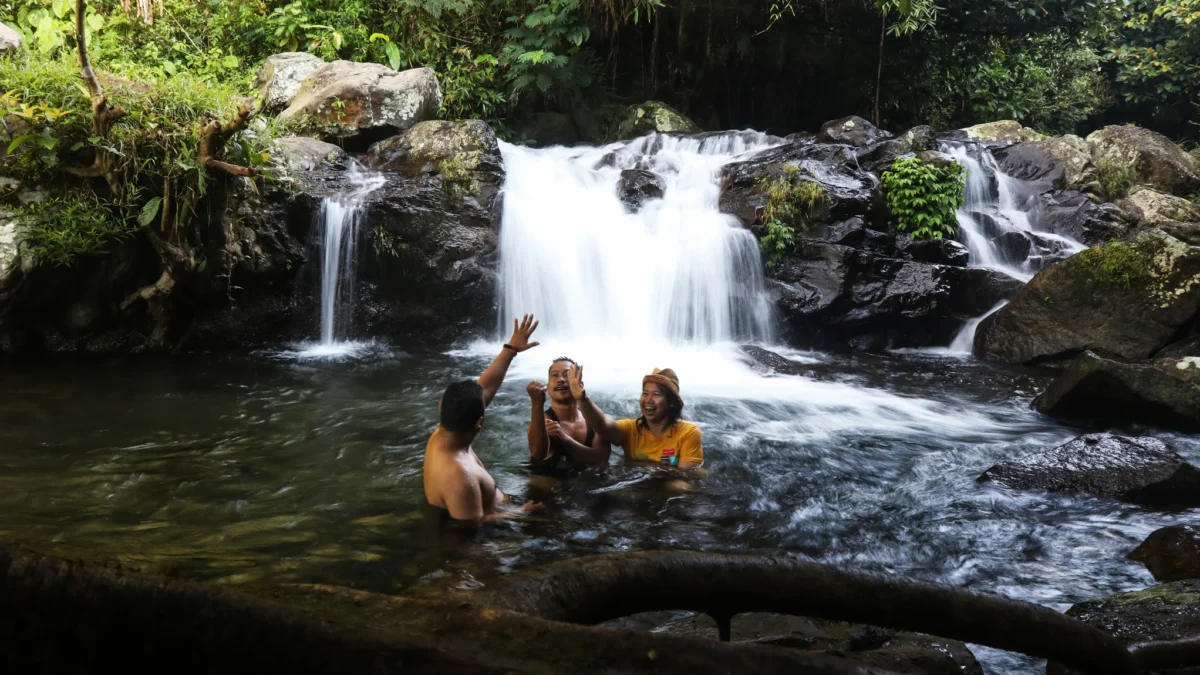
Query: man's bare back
[[454, 477]]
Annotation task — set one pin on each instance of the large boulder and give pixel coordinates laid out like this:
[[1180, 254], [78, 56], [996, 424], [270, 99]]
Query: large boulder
[[1059, 163], [852, 130], [433, 229], [878, 157], [367, 100], [1163, 613], [1073, 214], [652, 116], [280, 76], [1163, 391], [10, 40], [297, 154], [1003, 131], [1127, 298], [1154, 159], [1138, 470], [1171, 553]]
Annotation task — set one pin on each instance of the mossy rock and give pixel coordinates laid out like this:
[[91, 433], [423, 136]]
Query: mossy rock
[[653, 116], [1160, 209], [1150, 158], [1167, 612], [1002, 131]]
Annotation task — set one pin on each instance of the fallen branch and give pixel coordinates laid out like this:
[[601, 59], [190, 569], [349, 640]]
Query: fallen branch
[[599, 588], [103, 114], [214, 133]]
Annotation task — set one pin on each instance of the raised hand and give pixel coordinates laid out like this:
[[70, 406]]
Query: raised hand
[[552, 430], [537, 392], [575, 381], [521, 333]]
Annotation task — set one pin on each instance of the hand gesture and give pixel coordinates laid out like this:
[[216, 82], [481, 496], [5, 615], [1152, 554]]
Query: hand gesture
[[520, 337], [537, 392], [552, 430], [575, 381]]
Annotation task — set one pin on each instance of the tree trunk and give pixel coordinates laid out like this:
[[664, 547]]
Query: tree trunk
[[879, 71]]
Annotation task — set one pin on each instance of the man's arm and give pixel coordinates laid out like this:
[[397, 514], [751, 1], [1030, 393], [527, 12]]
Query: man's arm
[[493, 377], [604, 425], [539, 442], [465, 502], [582, 453]]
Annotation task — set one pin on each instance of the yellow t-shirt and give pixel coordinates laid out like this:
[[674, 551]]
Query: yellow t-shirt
[[681, 443]]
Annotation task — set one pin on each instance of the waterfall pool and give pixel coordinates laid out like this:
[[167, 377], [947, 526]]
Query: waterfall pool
[[261, 468]]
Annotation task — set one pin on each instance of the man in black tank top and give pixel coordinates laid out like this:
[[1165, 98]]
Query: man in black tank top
[[559, 437]]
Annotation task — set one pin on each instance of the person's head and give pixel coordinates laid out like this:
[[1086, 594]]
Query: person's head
[[560, 391], [660, 401], [462, 407]]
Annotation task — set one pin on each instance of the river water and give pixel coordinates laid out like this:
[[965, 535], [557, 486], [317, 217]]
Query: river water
[[276, 467]]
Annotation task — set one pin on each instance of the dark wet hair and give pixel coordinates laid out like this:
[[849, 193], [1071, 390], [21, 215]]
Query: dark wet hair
[[564, 358], [674, 407], [462, 406]]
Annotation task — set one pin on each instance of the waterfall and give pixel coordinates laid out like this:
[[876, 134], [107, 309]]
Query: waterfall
[[1000, 217], [675, 272], [339, 219]]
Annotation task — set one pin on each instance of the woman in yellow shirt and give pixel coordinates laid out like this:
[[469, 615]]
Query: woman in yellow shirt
[[659, 436]]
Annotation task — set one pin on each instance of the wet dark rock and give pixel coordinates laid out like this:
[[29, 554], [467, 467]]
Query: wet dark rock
[[1160, 613], [1171, 553], [1070, 307], [879, 157], [978, 290], [1013, 246], [1073, 214], [768, 362], [1060, 163], [852, 130], [636, 187], [1188, 346], [1163, 391], [833, 295], [549, 128], [1138, 470], [935, 251]]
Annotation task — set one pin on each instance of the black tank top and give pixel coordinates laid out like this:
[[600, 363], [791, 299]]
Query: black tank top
[[591, 433]]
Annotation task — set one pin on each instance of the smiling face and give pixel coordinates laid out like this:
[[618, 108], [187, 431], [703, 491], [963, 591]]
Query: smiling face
[[560, 391], [655, 403]]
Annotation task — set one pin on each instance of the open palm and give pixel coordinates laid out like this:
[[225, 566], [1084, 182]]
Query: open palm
[[522, 332]]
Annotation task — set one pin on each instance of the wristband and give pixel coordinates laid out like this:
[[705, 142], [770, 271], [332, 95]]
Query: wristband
[[514, 349]]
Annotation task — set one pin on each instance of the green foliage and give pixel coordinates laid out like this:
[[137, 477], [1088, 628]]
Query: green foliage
[[1115, 176], [61, 230], [792, 202], [1158, 57], [1118, 264], [923, 196]]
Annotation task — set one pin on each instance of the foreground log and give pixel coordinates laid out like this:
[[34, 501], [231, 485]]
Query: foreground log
[[599, 588]]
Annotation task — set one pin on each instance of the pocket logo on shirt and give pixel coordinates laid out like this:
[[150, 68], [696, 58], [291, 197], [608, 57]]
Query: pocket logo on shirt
[[669, 457]]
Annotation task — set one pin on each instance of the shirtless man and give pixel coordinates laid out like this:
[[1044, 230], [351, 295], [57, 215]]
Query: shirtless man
[[455, 479], [560, 436]]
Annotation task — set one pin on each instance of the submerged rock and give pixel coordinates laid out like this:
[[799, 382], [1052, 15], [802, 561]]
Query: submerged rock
[[1160, 613], [1154, 159], [1164, 391], [852, 130], [1171, 553], [280, 76], [1127, 298], [345, 99], [1138, 470], [637, 186], [767, 362], [643, 118]]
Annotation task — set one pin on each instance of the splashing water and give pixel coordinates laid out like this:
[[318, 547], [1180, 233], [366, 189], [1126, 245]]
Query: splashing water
[[340, 216]]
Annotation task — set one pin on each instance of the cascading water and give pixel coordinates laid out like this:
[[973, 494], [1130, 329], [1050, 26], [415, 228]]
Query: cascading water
[[677, 271], [999, 222], [340, 216]]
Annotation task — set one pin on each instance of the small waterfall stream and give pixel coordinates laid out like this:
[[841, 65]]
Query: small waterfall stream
[[340, 218]]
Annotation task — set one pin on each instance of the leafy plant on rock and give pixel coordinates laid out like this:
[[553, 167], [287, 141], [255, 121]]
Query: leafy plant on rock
[[923, 196], [792, 201]]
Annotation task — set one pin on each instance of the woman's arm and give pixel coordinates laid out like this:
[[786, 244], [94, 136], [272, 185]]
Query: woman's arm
[[604, 425]]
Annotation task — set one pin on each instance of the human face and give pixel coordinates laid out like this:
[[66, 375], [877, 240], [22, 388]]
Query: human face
[[655, 403], [560, 390]]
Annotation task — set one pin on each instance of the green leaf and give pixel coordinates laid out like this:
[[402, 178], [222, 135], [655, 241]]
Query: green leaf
[[393, 55], [94, 22], [61, 7], [77, 145], [149, 212], [18, 142], [230, 61]]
